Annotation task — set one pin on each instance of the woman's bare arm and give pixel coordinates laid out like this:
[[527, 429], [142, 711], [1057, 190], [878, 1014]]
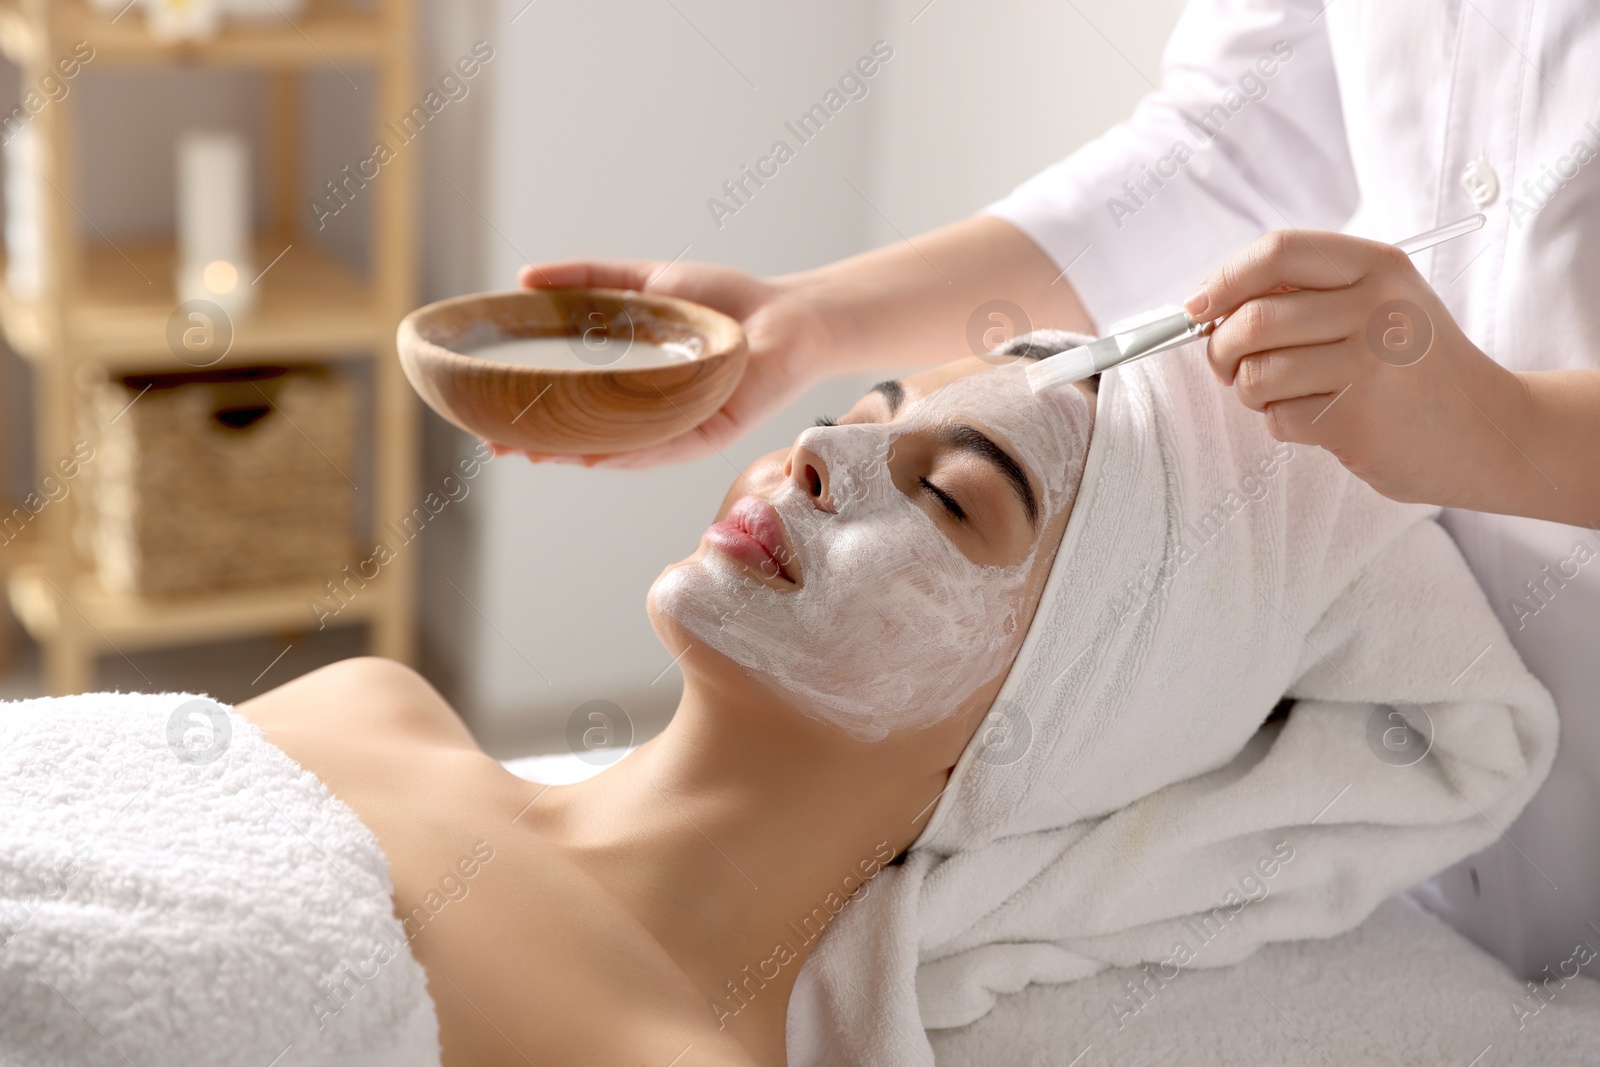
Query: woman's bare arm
[[928, 299]]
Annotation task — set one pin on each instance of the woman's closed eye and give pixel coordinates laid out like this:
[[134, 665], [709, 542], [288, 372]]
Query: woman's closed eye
[[956, 511]]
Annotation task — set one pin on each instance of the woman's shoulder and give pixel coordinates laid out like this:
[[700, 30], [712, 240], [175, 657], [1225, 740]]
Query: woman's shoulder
[[528, 957], [364, 693]]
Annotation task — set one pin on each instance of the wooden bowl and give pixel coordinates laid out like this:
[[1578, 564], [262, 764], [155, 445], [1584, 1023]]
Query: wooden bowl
[[579, 411]]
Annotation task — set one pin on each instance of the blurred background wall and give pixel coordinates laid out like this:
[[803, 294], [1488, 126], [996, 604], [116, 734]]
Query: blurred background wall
[[601, 129]]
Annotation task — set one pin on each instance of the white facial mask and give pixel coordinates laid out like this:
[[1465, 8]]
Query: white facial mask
[[894, 626]]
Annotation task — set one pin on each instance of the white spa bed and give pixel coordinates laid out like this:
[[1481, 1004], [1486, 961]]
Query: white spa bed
[[1402, 988]]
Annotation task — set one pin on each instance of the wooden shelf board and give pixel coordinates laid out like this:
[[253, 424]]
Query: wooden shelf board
[[325, 33], [309, 306], [126, 623]]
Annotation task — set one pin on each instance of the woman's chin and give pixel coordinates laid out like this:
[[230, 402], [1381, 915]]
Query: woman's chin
[[682, 601], [687, 605], [700, 591]]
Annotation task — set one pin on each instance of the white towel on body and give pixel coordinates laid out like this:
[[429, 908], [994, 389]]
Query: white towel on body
[[174, 889], [1124, 805]]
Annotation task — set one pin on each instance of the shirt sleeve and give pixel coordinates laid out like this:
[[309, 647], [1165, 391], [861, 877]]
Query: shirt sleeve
[[1245, 135]]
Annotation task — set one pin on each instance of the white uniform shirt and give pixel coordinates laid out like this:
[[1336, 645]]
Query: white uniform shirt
[[1385, 119]]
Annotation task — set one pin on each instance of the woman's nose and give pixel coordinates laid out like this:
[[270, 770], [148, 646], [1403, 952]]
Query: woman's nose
[[810, 474]]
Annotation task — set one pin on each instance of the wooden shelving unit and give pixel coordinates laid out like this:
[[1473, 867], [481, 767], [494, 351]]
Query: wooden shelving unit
[[108, 307], [325, 32], [309, 305]]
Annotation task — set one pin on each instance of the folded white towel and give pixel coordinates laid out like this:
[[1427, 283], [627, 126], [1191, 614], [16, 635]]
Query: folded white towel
[[174, 889], [1124, 804]]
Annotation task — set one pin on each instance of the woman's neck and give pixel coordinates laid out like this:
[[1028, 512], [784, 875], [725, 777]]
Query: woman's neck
[[739, 833]]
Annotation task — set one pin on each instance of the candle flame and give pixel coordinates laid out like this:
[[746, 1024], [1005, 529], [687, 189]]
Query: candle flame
[[221, 276]]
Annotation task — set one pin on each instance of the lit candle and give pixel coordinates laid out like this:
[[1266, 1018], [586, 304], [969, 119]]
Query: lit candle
[[24, 240], [214, 208], [174, 19]]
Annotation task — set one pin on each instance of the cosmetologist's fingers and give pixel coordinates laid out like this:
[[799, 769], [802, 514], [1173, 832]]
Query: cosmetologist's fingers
[[706, 439], [1299, 259], [1294, 319], [595, 273], [537, 457], [681, 449], [1291, 373], [1309, 420]]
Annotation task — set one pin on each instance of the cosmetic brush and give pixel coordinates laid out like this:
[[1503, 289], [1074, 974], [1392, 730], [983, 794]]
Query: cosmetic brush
[[1170, 331]]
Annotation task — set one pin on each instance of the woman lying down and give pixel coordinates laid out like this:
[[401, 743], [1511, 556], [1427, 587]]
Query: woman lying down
[[980, 692]]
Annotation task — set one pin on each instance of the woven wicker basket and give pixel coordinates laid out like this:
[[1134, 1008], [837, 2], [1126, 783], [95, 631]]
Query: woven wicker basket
[[219, 480]]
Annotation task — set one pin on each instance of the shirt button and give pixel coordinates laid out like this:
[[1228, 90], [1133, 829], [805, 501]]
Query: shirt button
[[1480, 182]]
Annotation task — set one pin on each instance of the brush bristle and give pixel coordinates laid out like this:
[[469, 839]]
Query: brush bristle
[[1063, 368]]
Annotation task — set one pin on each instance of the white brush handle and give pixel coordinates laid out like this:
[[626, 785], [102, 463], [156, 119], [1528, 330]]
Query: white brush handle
[[1412, 245]]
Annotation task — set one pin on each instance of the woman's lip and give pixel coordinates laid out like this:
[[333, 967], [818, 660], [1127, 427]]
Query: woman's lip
[[753, 534]]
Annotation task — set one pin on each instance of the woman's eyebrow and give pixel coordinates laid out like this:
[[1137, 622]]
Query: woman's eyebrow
[[894, 394], [975, 442]]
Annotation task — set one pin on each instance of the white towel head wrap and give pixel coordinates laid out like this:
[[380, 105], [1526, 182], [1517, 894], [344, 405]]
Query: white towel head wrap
[[1125, 803]]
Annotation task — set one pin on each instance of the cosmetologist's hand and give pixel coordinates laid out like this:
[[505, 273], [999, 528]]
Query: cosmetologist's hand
[[1362, 359], [786, 337]]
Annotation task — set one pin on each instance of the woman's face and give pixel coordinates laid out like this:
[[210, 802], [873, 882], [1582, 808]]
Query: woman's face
[[879, 575]]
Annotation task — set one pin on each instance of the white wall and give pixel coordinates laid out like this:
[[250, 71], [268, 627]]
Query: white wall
[[610, 126], [988, 94]]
